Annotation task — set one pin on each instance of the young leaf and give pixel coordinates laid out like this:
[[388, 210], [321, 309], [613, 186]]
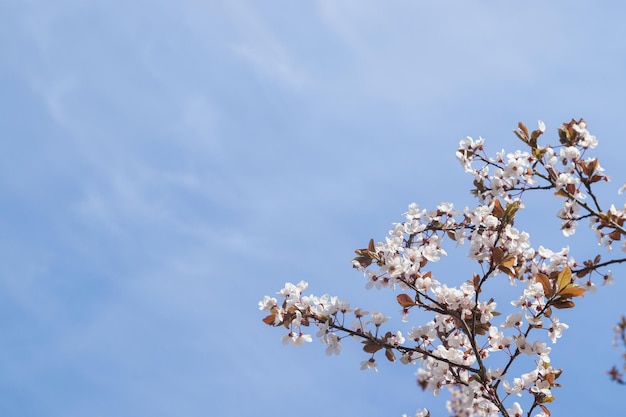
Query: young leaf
[[572, 291], [523, 132], [405, 300], [511, 210], [476, 281], [545, 283], [497, 211], [269, 320], [482, 328], [497, 255], [565, 278], [561, 303], [533, 138], [548, 312], [615, 235], [363, 261], [371, 347], [545, 400], [583, 272], [506, 265]]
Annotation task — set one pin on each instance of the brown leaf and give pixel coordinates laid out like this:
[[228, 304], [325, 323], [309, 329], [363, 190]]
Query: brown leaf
[[506, 265], [520, 135], [561, 303], [482, 328], [596, 178], [560, 193], [270, 319], [572, 291], [405, 300], [523, 130], [497, 211], [371, 347], [590, 167], [548, 312], [615, 235], [509, 271], [497, 255], [390, 355], [364, 261], [583, 272], [533, 138]]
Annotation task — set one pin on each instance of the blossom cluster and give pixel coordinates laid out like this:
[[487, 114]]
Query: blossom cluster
[[468, 347], [620, 338]]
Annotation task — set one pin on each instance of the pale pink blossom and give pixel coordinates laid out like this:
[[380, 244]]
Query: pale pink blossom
[[555, 330], [378, 318], [369, 364], [515, 411]]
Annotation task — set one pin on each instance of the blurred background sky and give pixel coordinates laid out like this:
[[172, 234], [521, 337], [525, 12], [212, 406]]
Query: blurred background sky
[[165, 164]]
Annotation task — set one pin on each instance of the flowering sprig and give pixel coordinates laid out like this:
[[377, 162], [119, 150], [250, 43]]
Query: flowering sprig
[[620, 339], [465, 347]]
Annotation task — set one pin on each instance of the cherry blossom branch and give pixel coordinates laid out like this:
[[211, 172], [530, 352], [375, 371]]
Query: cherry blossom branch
[[620, 334], [449, 351], [400, 348]]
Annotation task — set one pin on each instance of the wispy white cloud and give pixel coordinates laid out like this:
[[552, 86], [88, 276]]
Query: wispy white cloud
[[261, 48], [428, 51]]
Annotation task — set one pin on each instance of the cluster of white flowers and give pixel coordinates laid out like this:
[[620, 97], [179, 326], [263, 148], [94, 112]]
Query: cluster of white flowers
[[565, 170], [606, 227], [452, 348]]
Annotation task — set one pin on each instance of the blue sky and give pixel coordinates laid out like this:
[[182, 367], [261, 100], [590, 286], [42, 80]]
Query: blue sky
[[163, 165]]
